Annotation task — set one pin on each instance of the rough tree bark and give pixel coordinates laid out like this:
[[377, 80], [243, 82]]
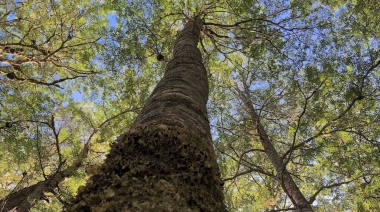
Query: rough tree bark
[[283, 176], [165, 161]]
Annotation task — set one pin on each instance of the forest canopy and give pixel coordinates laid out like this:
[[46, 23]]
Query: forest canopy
[[295, 83]]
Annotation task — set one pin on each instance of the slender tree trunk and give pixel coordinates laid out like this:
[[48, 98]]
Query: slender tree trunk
[[283, 176], [166, 161]]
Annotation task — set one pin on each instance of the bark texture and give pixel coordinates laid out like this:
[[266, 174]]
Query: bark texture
[[165, 161], [283, 176]]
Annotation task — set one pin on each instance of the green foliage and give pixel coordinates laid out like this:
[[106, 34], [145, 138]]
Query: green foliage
[[81, 72]]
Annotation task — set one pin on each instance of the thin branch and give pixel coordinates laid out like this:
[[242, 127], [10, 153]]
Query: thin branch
[[39, 149], [284, 209], [313, 197], [300, 117], [249, 170], [56, 136], [328, 124]]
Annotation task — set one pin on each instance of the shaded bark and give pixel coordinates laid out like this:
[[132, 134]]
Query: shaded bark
[[283, 176], [165, 161]]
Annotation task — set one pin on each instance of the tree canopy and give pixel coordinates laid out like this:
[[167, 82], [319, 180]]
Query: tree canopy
[[74, 75]]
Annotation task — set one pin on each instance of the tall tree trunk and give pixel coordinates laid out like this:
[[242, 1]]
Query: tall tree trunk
[[283, 176], [165, 162]]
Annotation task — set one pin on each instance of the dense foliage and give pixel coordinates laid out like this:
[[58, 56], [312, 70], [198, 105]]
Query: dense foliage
[[74, 75]]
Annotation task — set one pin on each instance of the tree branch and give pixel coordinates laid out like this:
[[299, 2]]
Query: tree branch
[[23, 197]]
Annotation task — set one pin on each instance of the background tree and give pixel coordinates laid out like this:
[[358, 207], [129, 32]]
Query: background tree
[[311, 112]]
